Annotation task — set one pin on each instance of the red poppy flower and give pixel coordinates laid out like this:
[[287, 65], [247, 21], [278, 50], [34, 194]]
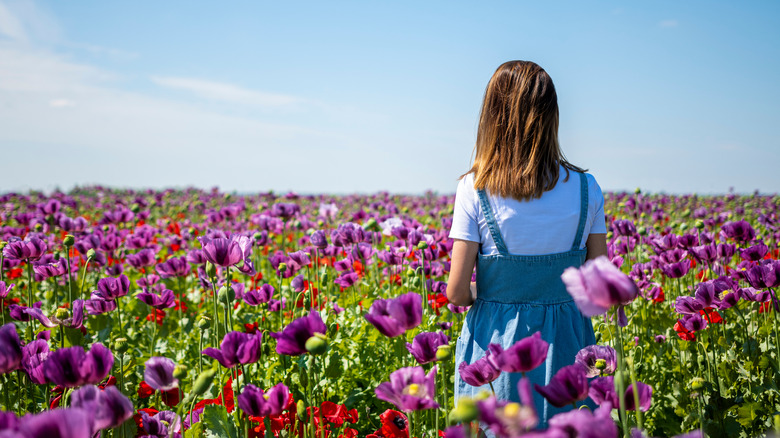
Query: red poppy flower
[[144, 390], [683, 333], [158, 315], [14, 273], [251, 328], [660, 297], [111, 381], [227, 395], [137, 417], [394, 425], [711, 315], [764, 307], [172, 397]]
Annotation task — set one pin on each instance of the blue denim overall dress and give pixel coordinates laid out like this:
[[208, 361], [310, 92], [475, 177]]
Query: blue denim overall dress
[[518, 295]]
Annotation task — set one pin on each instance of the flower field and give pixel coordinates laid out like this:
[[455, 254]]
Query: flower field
[[199, 313]]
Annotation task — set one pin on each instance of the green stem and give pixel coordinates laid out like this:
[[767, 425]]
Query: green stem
[[619, 384]]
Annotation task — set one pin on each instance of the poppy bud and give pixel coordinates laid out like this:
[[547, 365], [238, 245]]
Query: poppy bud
[[642, 231], [325, 277], [91, 253], [699, 224], [422, 245], [317, 344], [443, 352], [697, 383], [3, 244], [56, 256], [637, 191], [203, 323], [257, 236], [226, 295], [61, 314], [211, 270], [135, 208], [38, 227], [120, 345], [409, 272], [203, 382], [297, 224], [372, 225], [68, 240], [282, 267], [300, 409], [465, 412], [106, 228], [180, 372]]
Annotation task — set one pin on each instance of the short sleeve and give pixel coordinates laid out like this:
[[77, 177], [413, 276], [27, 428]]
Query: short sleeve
[[598, 222], [465, 225]]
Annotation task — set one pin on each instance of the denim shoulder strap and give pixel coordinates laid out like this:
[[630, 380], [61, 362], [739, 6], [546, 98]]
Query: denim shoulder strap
[[583, 211], [491, 222]]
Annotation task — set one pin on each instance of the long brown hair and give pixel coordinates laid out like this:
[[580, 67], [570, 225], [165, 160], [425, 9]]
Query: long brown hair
[[517, 154]]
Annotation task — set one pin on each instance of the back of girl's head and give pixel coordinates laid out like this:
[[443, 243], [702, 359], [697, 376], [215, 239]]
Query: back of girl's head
[[517, 151]]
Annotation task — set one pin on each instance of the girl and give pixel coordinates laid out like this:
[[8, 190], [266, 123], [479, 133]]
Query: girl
[[522, 214]]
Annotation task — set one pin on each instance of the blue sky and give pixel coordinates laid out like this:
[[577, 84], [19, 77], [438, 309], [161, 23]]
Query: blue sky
[[348, 97]]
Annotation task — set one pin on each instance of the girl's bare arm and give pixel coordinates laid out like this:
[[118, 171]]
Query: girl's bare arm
[[460, 290]]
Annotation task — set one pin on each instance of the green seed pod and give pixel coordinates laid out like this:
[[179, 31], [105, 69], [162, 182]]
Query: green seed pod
[[203, 382], [372, 225], [226, 294], [300, 409], [600, 364], [120, 345], [697, 383], [443, 352], [61, 314], [282, 267], [91, 253], [38, 227], [135, 208], [637, 191], [203, 322], [422, 245], [317, 344], [465, 412], [68, 240], [699, 224], [57, 256], [180, 372], [257, 236], [3, 244]]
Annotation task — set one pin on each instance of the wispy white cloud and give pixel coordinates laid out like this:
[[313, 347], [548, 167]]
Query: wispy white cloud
[[668, 23], [61, 103], [226, 92]]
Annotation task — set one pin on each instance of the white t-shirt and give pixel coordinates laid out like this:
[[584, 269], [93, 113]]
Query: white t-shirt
[[540, 226]]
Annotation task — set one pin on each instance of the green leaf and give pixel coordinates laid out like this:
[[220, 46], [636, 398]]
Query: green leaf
[[216, 423], [195, 431]]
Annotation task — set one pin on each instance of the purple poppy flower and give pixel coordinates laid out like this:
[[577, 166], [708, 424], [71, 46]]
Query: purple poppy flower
[[96, 306], [598, 285], [27, 250], [196, 257], [159, 373], [141, 259], [751, 294], [660, 339], [34, 355], [509, 419], [568, 385], [624, 227], [299, 259], [754, 253], [704, 253], [741, 231], [284, 210], [693, 322], [109, 408], [479, 373], [10, 348], [410, 389], [583, 424], [60, 423], [259, 296], [602, 389], [764, 275], [319, 239], [49, 270], [173, 267], [291, 341], [588, 356], [148, 281], [72, 320], [254, 402], [164, 300], [676, 270], [245, 246], [71, 366], [237, 348], [221, 251], [297, 284], [523, 356], [5, 290], [424, 346], [392, 317], [277, 305], [347, 279], [160, 424]]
